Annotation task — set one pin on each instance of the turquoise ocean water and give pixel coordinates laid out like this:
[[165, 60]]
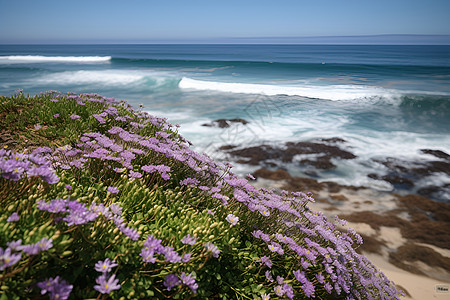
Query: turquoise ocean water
[[385, 101]]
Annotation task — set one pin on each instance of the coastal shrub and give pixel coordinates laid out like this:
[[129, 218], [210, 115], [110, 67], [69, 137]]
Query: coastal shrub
[[99, 200]]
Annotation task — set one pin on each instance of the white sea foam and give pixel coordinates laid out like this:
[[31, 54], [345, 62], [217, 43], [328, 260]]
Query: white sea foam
[[104, 77], [329, 92], [39, 58]]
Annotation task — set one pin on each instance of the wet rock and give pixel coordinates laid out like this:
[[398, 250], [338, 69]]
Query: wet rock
[[322, 162], [227, 147], [398, 181], [407, 256], [437, 153], [272, 175], [334, 140], [225, 123], [404, 174], [286, 153]]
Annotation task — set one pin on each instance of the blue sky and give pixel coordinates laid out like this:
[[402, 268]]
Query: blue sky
[[141, 21]]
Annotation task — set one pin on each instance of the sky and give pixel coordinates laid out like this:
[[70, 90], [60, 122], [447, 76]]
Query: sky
[[241, 21]]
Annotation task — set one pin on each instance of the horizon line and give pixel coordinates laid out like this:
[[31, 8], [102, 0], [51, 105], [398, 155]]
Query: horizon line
[[375, 39]]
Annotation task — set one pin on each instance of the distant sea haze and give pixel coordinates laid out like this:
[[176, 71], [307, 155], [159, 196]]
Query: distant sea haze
[[379, 39], [383, 100]]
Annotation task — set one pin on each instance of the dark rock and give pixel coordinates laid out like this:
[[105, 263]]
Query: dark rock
[[333, 140], [429, 168], [322, 162], [398, 181], [224, 123], [428, 191], [237, 120], [227, 147], [296, 184], [373, 176], [273, 175], [437, 153], [413, 253], [311, 173], [258, 154]]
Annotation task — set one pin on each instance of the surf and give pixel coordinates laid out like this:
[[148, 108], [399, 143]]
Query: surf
[[326, 92], [45, 59]]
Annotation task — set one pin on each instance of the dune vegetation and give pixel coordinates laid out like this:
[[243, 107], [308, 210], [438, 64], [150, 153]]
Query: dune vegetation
[[101, 200]]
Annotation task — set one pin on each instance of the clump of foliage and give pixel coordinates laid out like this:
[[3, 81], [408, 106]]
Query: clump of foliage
[[99, 200]]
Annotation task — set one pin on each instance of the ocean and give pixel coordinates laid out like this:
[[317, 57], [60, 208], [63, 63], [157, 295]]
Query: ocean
[[388, 103]]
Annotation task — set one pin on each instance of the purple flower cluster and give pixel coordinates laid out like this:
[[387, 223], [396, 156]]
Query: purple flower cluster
[[153, 246], [210, 247], [78, 213], [189, 280], [171, 281], [14, 166], [161, 169], [11, 255], [105, 283], [8, 258], [189, 240], [14, 217], [56, 287], [43, 245], [315, 240]]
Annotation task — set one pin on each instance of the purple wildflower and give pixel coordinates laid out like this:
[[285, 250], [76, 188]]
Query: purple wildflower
[[147, 255], [308, 288], [115, 209], [153, 244], [213, 249], [105, 266], [113, 189], [300, 276], [288, 290], [134, 174], [56, 116], [186, 257], [58, 289], [189, 240], [265, 296], [130, 232], [232, 219], [273, 247], [251, 176], [190, 182], [75, 117], [14, 217], [99, 118], [278, 290], [320, 278], [7, 259], [189, 280], [171, 281], [269, 276], [171, 255], [266, 260], [107, 285], [15, 245], [43, 245]]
